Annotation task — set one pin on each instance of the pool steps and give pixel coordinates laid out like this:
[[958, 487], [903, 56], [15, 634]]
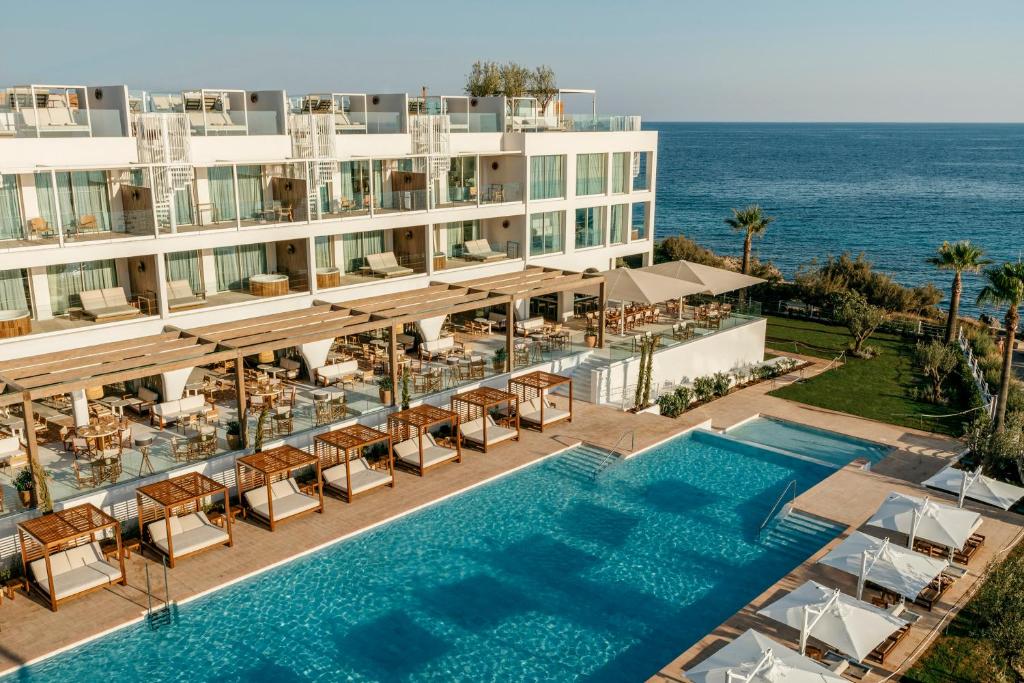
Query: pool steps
[[800, 535], [585, 462]]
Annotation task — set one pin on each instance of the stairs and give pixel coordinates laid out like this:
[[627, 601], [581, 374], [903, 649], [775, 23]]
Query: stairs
[[799, 535], [583, 379], [584, 463]]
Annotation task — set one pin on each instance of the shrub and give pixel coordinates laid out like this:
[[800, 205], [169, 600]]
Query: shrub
[[704, 389], [684, 395], [670, 405], [721, 382], [999, 608], [1000, 453], [936, 361]]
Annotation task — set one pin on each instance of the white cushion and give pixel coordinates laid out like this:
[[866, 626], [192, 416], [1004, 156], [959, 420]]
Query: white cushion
[[364, 477], [10, 446], [474, 431], [439, 344], [192, 404], [338, 369], [75, 570], [158, 529], [288, 500], [408, 451], [145, 394], [189, 533]]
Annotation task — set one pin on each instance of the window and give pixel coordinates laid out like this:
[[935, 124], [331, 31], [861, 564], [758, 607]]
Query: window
[[641, 171], [591, 173], [185, 265], [547, 177], [617, 223], [13, 290], [355, 187], [546, 232], [358, 245], [235, 265], [639, 221], [65, 281], [11, 226], [78, 196], [250, 192], [589, 226], [324, 251], [462, 180], [622, 168], [456, 235], [222, 193]]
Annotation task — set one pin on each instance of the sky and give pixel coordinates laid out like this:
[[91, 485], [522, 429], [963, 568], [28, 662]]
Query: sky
[[667, 60]]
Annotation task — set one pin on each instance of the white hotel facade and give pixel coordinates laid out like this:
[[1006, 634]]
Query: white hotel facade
[[103, 188]]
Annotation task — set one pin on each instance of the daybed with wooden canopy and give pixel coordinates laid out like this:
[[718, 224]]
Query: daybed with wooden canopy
[[266, 486], [535, 408], [476, 424], [345, 467], [62, 555], [414, 445], [171, 517]]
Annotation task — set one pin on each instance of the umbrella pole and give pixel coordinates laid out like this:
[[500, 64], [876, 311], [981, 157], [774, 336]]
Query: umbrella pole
[[622, 318], [863, 575], [679, 313], [804, 630], [914, 526]]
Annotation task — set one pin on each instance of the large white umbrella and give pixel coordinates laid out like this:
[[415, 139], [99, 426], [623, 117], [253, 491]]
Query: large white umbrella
[[713, 280], [640, 286], [850, 625], [756, 658], [976, 486], [900, 570], [924, 518]]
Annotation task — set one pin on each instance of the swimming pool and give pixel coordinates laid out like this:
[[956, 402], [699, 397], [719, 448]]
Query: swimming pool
[[830, 447], [547, 574]]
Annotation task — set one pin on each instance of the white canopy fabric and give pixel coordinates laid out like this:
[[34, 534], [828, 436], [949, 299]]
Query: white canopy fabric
[[979, 487], [714, 280], [640, 286], [900, 570], [756, 658], [852, 626], [924, 518]]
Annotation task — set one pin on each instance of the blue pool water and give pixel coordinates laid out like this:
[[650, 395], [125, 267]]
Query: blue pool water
[[830, 447], [544, 575]]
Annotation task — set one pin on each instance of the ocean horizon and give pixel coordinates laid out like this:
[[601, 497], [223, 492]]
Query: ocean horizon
[[892, 191]]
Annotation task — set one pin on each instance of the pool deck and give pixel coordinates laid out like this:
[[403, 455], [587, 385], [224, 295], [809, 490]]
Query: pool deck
[[29, 630], [850, 497]]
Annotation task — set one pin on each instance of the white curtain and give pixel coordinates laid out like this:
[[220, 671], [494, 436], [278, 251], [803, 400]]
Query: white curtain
[[546, 232], [250, 191], [621, 166], [11, 225], [67, 280], [547, 176], [235, 265], [324, 253], [89, 195], [356, 246], [618, 223], [222, 192], [12, 290], [590, 173], [184, 265]]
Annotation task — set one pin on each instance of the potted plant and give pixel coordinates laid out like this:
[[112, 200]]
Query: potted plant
[[499, 358], [23, 483], [384, 389], [234, 435], [590, 336]]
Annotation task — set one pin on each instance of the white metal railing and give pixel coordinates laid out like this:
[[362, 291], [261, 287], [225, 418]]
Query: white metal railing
[[976, 372], [613, 452], [164, 140], [775, 507]]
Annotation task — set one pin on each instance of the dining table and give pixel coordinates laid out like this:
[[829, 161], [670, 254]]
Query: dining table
[[98, 434]]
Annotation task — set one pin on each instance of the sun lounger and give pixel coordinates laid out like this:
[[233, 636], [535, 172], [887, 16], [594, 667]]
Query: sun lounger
[[879, 654], [530, 411], [930, 595], [189, 534], [474, 431], [180, 296], [288, 500], [75, 571], [433, 454], [480, 250], [385, 265], [103, 305], [364, 477]]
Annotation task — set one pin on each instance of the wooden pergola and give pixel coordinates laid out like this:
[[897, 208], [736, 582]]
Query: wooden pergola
[[414, 423], [345, 444], [264, 468], [175, 497], [477, 404], [536, 385], [60, 531]]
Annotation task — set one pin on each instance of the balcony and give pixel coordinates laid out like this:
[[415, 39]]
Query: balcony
[[222, 112], [47, 111]]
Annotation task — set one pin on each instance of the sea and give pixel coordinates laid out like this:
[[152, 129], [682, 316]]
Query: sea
[[893, 192]]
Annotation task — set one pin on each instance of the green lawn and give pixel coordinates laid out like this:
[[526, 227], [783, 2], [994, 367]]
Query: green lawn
[[882, 388]]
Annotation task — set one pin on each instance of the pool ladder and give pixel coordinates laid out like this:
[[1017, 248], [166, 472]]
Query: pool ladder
[[613, 452], [775, 507], [161, 616]]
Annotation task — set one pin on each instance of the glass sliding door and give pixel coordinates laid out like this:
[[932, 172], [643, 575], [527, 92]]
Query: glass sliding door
[[622, 166], [547, 176], [80, 197], [222, 193], [547, 233], [65, 281], [12, 227], [355, 247], [617, 223], [235, 265], [589, 227], [13, 290], [324, 251], [354, 193], [185, 265], [250, 192], [591, 173], [458, 233]]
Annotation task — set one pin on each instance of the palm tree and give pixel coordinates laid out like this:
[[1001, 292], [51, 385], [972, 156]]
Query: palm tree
[[1005, 288], [960, 257], [750, 221]]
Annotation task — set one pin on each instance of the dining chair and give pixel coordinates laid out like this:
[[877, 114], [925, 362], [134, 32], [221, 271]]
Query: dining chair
[[181, 449], [81, 479]]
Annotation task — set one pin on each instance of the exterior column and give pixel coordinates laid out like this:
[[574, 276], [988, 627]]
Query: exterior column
[[393, 362], [602, 304], [32, 447], [243, 420], [161, 285], [510, 322]]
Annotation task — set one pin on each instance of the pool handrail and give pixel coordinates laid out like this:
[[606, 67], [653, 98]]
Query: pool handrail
[[775, 507]]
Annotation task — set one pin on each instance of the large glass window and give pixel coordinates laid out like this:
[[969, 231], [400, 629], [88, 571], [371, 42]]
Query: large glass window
[[640, 221], [642, 177], [324, 251], [355, 186], [185, 265], [235, 265], [462, 182], [11, 225], [547, 176], [591, 173], [358, 245], [589, 227], [13, 290], [80, 197], [222, 193], [457, 234], [617, 223], [546, 232], [250, 192], [622, 168], [67, 280]]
